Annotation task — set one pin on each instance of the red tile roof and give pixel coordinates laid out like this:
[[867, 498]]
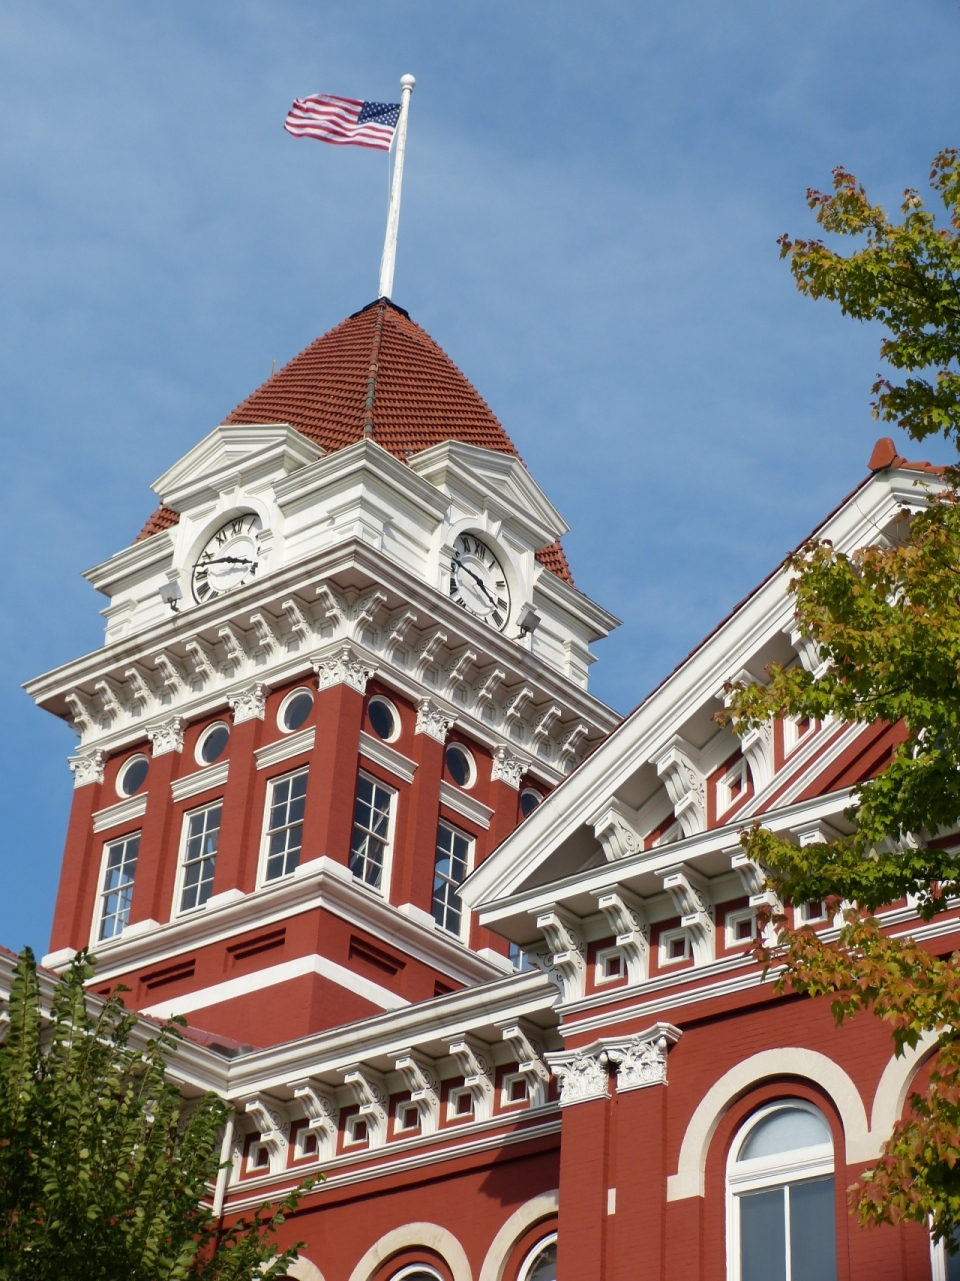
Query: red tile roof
[[377, 374]]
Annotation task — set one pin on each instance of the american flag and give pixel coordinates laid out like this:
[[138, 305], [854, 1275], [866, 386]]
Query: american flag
[[344, 121]]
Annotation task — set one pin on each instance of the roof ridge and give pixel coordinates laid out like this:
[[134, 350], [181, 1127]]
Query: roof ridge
[[374, 370]]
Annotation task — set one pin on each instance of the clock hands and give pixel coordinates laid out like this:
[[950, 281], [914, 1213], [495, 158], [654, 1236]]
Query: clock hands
[[230, 560], [477, 579]]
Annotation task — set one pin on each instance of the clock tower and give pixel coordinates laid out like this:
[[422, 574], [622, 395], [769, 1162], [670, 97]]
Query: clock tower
[[343, 660]]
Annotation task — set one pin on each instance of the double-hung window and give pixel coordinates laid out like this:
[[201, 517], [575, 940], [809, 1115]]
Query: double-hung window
[[450, 870], [372, 830], [201, 835], [283, 838], [781, 1216], [116, 891]]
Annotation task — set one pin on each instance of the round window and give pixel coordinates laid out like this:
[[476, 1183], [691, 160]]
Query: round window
[[213, 743], [294, 710], [460, 765], [529, 800], [133, 775], [384, 719]]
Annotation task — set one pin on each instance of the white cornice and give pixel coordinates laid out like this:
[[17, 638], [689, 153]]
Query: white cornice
[[284, 749], [202, 690], [689, 691], [387, 757], [463, 803], [123, 812], [230, 453], [321, 883], [201, 780]]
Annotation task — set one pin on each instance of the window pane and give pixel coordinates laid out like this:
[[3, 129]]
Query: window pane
[[785, 1130], [285, 832], [200, 857], [545, 1265], [763, 1246], [450, 871], [117, 891], [371, 831], [813, 1244]]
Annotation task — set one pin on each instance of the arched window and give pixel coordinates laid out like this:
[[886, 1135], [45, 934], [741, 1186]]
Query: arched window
[[416, 1272], [541, 1263], [781, 1222]]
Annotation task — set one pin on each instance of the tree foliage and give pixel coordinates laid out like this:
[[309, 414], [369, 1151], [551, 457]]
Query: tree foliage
[[103, 1176], [885, 623]]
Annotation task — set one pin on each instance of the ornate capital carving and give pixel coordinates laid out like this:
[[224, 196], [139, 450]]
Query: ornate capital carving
[[432, 720], [642, 1060], [345, 667], [582, 1075], [166, 736], [249, 704], [508, 767], [87, 767]]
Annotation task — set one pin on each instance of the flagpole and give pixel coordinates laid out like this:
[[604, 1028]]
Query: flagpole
[[389, 260]]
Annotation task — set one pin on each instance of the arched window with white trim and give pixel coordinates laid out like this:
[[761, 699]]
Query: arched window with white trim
[[417, 1272], [541, 1262], [781, 1223]]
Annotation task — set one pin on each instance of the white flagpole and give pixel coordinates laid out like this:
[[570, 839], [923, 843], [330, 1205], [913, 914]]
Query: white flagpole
[[389, 260]]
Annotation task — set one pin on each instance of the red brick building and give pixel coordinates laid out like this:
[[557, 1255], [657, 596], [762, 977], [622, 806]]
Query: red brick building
[[442, 925]]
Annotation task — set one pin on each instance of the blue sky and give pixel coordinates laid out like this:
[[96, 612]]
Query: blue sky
[[592, 199]]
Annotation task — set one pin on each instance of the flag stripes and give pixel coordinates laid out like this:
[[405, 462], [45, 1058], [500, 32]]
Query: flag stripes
[[344, 121]]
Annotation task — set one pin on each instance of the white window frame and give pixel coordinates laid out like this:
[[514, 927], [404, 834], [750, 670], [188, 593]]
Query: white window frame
[[770, 1172], [298, 1145], [453, 1096], [383, 889], [733, 919], [181, 852], [350, 1127], [262, 882], [739, 772], [198, 750], [95, 940], [791, 738], [599, 975], [122, 773], [416, 1270], [468, 756], [397, 722], [254, 1170], [534, 1253], [510, 1079], [288, 699], [463, 934], [404, 1110], [938, 1261], [663, 947], [801, 916]]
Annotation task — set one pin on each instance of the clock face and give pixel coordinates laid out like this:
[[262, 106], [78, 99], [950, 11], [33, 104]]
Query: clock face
[[230, 558], [477, 581]]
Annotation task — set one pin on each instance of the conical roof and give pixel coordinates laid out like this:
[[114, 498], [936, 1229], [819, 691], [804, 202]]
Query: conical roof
[[376, 374]]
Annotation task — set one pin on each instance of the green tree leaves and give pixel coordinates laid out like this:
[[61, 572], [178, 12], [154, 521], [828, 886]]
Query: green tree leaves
[[103, 1172]]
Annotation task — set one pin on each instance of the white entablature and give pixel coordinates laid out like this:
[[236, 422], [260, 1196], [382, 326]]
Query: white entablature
[[668, 764], [307, 502]]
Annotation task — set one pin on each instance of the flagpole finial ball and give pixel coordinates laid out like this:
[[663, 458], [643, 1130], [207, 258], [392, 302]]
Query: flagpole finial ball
[[407, 82]]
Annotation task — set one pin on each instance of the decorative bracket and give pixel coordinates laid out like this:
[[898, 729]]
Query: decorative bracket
[[615, 827], [320, 1105], [641, 1060], [471, 1057], [267, 1115], [628, 921], [568, 951], [530, 1061], [420, 1077], [678, 764], [370, 1091], [690, 894]]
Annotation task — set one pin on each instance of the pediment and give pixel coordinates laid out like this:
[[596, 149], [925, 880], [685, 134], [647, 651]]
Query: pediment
[[497, 479], [230, 455]]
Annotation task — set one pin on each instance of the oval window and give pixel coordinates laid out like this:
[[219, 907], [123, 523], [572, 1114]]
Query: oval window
[[213, 743], [384, 719], [133, 775], [460, 765], [294, 710], [529, 800]]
